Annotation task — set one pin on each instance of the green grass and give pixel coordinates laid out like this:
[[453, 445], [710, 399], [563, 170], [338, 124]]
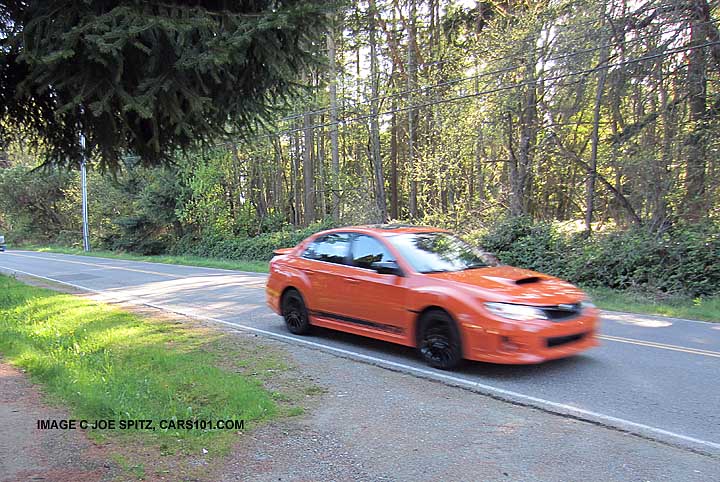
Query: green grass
[[106, 363], [707, 309], [240, 265]]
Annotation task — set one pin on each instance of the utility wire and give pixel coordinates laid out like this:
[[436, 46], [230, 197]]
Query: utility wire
[[342, 122], [548, 47], [534, 35], [451, 82]]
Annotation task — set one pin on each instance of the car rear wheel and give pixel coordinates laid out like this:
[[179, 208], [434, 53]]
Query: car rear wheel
[[295, 313], [439, 341]]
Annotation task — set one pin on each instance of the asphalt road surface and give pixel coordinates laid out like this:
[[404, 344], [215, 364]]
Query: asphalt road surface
[[653, 376]]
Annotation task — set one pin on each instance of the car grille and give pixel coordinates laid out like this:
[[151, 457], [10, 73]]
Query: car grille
[[564, 340], [562, 312]]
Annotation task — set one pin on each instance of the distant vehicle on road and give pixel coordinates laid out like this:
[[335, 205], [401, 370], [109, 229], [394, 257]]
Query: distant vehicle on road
[[426, 288], [2, 243]]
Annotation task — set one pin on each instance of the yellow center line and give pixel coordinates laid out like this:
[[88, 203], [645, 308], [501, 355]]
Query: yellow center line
[[663, 346], [98, 264]]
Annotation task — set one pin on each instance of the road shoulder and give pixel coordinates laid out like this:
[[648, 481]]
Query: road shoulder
[[377, 424], [27, 453]]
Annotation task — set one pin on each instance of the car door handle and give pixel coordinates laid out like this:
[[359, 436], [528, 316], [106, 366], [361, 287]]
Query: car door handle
[[351, 280]]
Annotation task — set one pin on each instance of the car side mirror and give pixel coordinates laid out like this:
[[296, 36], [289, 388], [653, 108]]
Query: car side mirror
[[387, 267]]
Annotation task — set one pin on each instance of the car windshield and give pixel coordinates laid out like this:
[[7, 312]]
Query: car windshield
[[438, 252]]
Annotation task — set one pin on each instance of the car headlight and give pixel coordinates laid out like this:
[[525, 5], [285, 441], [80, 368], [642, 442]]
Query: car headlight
[[516, 312], [585, 304]]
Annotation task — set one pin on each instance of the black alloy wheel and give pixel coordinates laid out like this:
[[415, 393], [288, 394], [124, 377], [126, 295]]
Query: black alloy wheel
[[295, 313], [439, 341]]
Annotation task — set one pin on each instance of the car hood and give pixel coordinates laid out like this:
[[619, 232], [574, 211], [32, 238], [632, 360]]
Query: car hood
[[516, 285]]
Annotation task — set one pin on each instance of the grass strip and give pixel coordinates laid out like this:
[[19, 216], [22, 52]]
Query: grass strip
[[108, 364], [705, 309]]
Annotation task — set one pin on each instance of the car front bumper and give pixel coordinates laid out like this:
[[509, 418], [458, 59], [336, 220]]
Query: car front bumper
[[514, 344]]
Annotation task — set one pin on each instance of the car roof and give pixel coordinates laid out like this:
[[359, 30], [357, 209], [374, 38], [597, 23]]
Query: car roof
[[387, 229]]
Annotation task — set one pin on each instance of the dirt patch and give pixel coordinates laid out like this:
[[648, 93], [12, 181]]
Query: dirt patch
[[27, 453]]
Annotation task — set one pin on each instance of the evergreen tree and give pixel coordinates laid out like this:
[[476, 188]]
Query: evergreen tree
[[148, 77]]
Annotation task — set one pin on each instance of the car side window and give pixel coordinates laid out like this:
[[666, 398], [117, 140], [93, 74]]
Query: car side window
[[331, 248], [367, 250]]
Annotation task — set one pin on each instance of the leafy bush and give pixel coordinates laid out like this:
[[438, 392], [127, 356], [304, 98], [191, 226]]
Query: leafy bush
[[684, 260], [259, 247]]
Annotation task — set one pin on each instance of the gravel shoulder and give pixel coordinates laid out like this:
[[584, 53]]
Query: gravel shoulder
[[27, 453], [376, 424]]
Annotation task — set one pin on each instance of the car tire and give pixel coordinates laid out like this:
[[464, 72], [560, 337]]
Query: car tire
[[438, 340], [295, 313]]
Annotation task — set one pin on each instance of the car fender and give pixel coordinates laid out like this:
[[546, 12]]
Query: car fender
[[285, 276], [459, 304]]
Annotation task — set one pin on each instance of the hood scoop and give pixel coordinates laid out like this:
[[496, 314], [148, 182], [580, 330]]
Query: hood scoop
[[509, 280], [527, 281]]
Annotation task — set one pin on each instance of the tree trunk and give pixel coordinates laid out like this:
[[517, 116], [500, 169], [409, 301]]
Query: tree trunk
[[380, 200], [280, 197], [297, 210], [412, 114], [521, 164], [697, 90], [321, 169], [308, 171], [660, 179], [479, 175], [592, 175], [335, 154], [394, 164]]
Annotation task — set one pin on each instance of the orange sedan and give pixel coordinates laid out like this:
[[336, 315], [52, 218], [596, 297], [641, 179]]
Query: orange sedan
[[426, 288]]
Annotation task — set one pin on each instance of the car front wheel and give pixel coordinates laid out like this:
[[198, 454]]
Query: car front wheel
[[295, 313], [439, 341]]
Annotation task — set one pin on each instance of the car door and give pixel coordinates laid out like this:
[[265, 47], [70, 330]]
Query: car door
[[378, 301], [325, 263]]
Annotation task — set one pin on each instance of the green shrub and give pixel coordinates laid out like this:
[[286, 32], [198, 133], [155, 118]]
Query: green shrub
[[681, 261], [258, 247]]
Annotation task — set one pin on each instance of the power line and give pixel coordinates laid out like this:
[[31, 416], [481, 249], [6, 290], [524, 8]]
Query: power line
[[576, 37], [342, 122], [559, 26], [532, 36], [513, 68], [450, 82]]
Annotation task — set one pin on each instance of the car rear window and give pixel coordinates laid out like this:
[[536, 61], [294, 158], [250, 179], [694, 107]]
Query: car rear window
[[331, 248]]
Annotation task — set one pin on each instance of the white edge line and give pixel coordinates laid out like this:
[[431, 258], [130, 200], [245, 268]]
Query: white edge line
[[154, 263], [656, 317], [501, 393]]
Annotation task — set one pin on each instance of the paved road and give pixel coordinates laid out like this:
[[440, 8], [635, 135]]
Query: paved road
[[653, 376]]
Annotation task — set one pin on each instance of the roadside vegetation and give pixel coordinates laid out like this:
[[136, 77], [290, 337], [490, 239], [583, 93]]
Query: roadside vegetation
[[574, 137], [105, 363], [705, 309]]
